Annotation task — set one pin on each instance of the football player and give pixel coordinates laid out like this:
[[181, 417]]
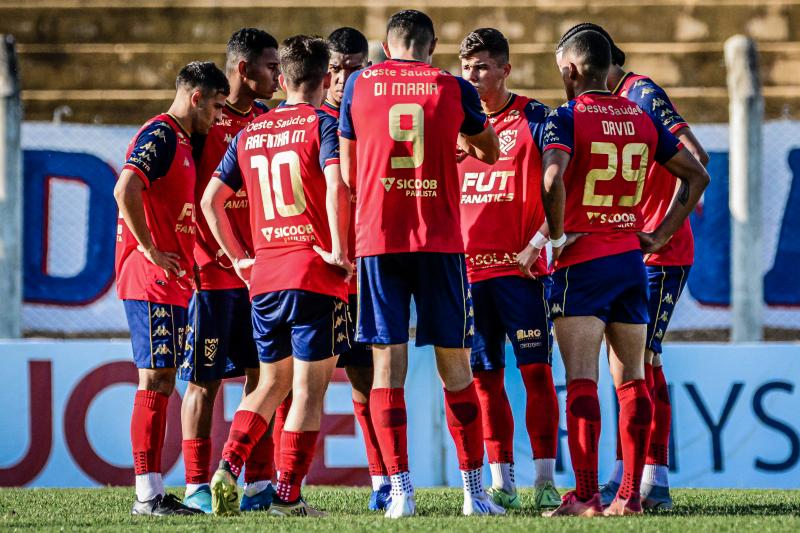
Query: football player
[[598, 150], [155, 239]]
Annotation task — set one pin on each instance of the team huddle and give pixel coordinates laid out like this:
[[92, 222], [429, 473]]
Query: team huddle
[[281, 243]]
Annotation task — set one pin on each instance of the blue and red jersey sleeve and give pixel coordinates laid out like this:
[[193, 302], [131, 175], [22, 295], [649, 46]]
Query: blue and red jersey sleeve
[[346, 129], [656, 103], [559, 129], [228, 169], [328, 140], [153, 152], [536, 114], [475, 120], [668, 144]]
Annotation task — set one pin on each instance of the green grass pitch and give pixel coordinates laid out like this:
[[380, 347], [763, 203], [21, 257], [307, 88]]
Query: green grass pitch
[[438, 510]]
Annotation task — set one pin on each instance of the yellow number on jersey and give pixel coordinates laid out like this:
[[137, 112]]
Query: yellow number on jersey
[[415, 135], [269, 178], [605, 174]]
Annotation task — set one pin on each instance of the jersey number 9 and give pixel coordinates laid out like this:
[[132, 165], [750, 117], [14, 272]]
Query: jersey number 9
[[606, 174], [415, 135]]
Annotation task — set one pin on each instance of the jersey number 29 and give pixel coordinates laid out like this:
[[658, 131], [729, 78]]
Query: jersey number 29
[[605, 174]]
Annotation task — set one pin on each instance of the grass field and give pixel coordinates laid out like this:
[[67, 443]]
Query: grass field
[[439, 509]]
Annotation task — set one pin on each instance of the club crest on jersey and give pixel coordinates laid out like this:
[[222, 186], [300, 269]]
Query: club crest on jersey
[[508, 139]]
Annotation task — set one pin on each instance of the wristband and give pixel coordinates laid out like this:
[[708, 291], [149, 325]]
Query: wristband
[[558, 243], [539, 240]]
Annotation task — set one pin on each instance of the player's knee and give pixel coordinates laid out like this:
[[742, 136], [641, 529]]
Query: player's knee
[[161, 380], [361, 380], [202, 392]]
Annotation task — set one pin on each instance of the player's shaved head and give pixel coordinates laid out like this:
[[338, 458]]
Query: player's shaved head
[[247, 44], [411, 28], [589, 51], [487, 40], [203, 75], [348, 40], [617, 55], [304, 60]]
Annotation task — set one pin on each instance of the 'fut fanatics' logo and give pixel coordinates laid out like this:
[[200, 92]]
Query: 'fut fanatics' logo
[[508, 139]]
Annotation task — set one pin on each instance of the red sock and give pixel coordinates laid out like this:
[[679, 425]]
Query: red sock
[[376, 466], [635, 416], [297, 451], [658, 451], [649, 379], [196, 460], [619, 441], [260, 465], [147, 436], [583, 434], [463, 414], [388, 412], [277, 427], [541, 409], [247, 429], [496, 417]]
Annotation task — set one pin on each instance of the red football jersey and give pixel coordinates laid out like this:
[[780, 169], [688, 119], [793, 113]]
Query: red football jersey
[[279, 158], [333, 111], [660, 186], [216, 271], [492, 196], [613, 145], [406, 117], [161, 155]]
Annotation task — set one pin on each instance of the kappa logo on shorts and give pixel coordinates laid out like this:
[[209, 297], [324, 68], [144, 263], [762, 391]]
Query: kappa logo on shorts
[[339, 321], [556, 308], [210, 350], [188, 332], [161, 331], [659, 333], [341, 337], [664, 317], [471, 311], [162, 350], [161, 312], [668, 299], [471, 331]]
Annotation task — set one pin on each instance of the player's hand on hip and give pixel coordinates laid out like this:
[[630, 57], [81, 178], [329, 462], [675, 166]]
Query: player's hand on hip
[[526, 259], [337, 260], [168, 261], [650, 242], [572, 237], [243, 269]]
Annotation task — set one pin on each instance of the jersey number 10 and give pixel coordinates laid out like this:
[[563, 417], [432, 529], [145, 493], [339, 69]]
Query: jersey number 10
[[269, 180], [605, 174]]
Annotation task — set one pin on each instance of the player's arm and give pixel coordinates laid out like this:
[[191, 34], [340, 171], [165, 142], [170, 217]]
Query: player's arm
[[690, 142], [528, 255], [337, 196], [693, 181], [554, 195], [224, 183], [477, 137], [347, 160], [337, 205], [150, 160], [347, 134], [556, 144]]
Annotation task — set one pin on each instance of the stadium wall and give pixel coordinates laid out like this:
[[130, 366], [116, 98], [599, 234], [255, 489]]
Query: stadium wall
[[70, 219], [68, 404]]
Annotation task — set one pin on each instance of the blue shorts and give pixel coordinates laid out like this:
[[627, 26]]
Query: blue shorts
[[156, 333], [611, 288], [307, 325], [513, 307], [219, 336], [438, 283], [666, 286], [359, 354]]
